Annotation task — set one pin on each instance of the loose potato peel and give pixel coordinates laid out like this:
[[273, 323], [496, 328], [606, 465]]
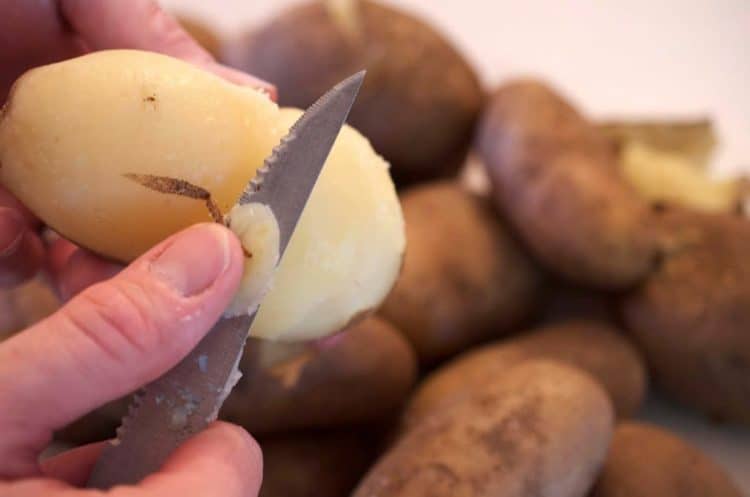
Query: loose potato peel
[[175, 186], [253, 223]]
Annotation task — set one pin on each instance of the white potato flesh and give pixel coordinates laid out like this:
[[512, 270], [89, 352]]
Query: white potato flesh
[[71, 131], [667, 177], [346, 252], [256, 227]]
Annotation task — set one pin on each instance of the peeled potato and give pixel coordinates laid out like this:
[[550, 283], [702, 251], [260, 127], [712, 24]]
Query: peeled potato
[[72, 131], [346, 251]]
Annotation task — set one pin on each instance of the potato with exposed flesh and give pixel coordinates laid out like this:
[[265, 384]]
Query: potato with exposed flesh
[[465, 279], [419, 102], [646, 460], [594, 347], [695, 140], [691, 317], [542, 428], [555, 178], [314, 464], [86, 142]]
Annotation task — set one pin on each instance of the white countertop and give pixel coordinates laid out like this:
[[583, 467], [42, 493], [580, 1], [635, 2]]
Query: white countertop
[[615, 58]]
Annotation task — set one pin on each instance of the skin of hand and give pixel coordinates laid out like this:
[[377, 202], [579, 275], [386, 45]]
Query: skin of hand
[[121, 328]]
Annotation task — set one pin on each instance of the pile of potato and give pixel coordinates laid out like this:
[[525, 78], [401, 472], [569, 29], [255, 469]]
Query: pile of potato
[[516, 346]]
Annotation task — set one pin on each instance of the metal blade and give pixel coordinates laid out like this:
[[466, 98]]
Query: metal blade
[[287, 177], [188, 397]]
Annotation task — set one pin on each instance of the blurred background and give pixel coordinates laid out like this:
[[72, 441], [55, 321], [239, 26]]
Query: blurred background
[[680, 58]]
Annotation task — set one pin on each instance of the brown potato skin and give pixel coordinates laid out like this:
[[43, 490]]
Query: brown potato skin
[[314, 464], [647, 461], [555, 178], [691, 317], [593, 346], [464, 278], [540, 429], [420, 99], [364, 376]]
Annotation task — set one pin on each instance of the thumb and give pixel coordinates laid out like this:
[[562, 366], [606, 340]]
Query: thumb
[[113, 337]]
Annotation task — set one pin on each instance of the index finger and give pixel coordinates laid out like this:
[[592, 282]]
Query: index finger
[[142, 24]]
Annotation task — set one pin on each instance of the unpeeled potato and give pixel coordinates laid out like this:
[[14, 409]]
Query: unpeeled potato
[[590, 345], [361, 376], [540, 429], [71, 131], [420, 101], [465, 277], [646, 460]]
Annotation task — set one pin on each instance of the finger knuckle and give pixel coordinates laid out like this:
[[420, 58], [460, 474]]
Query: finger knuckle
[[118, 317]]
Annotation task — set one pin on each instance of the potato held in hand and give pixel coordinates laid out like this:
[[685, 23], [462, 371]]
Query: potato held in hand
[[72, 130]]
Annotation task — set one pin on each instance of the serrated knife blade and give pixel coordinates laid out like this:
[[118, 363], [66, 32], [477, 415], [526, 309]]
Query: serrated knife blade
[[187, 398]]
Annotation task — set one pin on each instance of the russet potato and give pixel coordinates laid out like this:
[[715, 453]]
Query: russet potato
[[542, 428], [646, 460], [555, 178], [593, 346], [420, 100], [691, 316], [465, 279]]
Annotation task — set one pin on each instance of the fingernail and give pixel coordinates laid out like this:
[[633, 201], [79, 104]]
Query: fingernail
[[11, 231], [194, 260]]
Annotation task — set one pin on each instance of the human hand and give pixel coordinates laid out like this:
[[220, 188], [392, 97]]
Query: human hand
[[110, 339], [45, 31]]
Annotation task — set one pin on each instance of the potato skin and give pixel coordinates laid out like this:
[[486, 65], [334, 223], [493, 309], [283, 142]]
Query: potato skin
[[363, 376], [419, 102], [556, 180], [692, 315], [314, 464], [464, 278], [645, 461], [540, 429], [593, 346]]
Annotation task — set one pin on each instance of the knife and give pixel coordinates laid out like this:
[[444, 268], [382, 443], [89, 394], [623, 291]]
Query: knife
[[187, 398]]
